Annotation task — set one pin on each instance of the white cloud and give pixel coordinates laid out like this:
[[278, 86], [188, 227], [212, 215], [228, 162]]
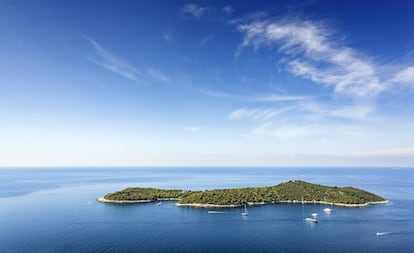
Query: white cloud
[[206, 39], [352, 112], [257, 113], [113, 63], [158, 75], [167, 36], [276, 98], [243, 113], [405, 76], [317, 56], [313, 52], [192, 129], [318, 111], [256, 98], [227, 10], [282, 131], [194, 10]]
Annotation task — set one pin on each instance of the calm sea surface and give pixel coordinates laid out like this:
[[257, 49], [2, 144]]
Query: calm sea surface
[[54, 210]]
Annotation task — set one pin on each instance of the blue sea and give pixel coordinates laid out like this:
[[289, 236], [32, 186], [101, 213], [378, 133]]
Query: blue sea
[[55, 210]]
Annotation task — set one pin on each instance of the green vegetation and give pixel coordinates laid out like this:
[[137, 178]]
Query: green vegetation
[[345, 195], [138, 193], [294, 190]]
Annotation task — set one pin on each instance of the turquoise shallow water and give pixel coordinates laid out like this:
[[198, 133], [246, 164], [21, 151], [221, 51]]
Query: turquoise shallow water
[[54, 210]]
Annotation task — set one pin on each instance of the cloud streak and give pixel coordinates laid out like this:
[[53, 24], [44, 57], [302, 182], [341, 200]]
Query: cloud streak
[[194, 10], [113, 63], [311, 51], [227, 10], [256, 98], [282, 131], [256, 114], [317, 111], [205, 40], [316, 55], [158, 75], [405, 76]]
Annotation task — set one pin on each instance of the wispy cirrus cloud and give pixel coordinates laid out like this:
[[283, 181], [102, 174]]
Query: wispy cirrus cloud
[[307, 111], [311, 51], [282, 131], [194, 10], [256, 114], [405, 76], [256, 98], [314, 52], [316, 55], [228, 9], [168, 36], [351, 112], [158, 75], [279, 98], [317, 111], [117, 65], [206, 39], [114, 63]]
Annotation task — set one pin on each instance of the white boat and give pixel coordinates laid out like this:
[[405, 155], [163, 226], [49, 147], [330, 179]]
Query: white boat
[[327, 210], [314, 215], [382, 233], [159, 203], [313, 220], [245, 213]]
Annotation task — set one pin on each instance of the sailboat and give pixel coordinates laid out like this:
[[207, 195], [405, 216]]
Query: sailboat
[[245, 213]]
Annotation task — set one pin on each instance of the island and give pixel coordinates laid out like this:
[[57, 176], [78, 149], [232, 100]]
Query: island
[[294, 191]]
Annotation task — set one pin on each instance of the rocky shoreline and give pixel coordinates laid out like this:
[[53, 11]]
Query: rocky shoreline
[[104, 200], [286, 201], [199, 205]]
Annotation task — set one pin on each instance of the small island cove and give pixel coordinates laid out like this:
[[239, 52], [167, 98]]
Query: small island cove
[[294, 191]]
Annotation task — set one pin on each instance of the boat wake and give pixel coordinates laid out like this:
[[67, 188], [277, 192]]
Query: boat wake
[[382, 233], [217, 212]]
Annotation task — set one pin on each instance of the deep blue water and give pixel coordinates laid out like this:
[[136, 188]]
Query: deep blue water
[[54, 210]]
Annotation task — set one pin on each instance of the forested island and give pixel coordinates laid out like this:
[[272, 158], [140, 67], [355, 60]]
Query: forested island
[[291, 191]]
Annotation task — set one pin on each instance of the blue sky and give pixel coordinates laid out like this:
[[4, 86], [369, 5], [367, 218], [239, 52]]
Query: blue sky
[[158, 83]]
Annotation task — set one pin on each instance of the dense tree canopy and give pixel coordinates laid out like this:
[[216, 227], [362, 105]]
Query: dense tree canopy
[[294, 190], [139, 193]]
